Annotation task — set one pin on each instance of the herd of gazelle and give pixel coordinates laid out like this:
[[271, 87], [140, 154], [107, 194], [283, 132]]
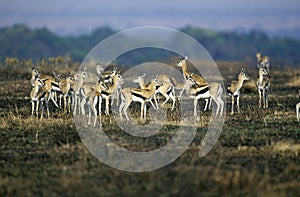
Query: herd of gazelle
[[109, 85]]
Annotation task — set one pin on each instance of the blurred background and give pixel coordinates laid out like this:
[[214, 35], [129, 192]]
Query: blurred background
[[229, 29]]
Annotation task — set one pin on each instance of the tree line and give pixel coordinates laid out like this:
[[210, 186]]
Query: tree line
[[23, 42]]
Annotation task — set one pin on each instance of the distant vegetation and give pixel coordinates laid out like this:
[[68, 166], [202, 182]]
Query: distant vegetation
[[22, 42]]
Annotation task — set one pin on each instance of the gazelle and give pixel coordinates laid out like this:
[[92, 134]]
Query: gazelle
[[38, 95], [140, 95], [212, 90], [94, 97], [263, 84], [65, 86], [263, 61], [87, 88], [116, 81], [167, 89], [51, 84], [78, 82], [34, 74], [141, 81], [186, 74], [234, 89]]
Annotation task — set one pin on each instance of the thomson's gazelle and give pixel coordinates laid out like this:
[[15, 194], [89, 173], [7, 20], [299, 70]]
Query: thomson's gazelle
[[263, 83], [167, 89], [51, 84], [140, 95], [78, 82], [186, 74], [212, 90], [65, 86], [235, 87], [263, 61], [116, 82], [38, 95], [141, 81], [94, 97]]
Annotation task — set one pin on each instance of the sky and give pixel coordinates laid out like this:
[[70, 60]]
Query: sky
[[76, 17]]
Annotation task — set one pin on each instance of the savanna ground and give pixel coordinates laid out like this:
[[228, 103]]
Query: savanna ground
[[257, 153]]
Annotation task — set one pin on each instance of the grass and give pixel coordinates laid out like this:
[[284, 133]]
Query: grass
[[257, 153]]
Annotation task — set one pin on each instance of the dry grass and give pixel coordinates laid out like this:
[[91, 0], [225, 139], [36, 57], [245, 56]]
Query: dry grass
[[257, 153]]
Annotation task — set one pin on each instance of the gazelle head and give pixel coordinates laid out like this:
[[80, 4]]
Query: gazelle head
[[182, 62], [84, 74], [118, 78], [243, 76], [139, 78], [156, 82], [70, 79], [35, 73], [101, 86], [57, 76], [99, 69], [262, 71]]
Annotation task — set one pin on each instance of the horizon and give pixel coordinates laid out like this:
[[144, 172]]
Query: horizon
[[74, 17]]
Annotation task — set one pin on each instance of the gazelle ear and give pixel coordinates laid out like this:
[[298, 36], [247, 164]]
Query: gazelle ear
[[186, 57], [143, 75], [243, 70]]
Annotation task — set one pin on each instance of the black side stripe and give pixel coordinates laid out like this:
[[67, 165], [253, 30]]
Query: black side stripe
[[105, 93], [138, 95], [55, 85], [202, 91]]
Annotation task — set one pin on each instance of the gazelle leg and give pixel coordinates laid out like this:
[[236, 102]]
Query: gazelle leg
[[218, 105], [125, 109], [145, 111], [172, 96], [37, 109], [42, 107], [167, 99], [47, 106], [32, 108], [297, 111], [232, 104], [195, 107], [120, 108], [82, 106], [93, 105], [142, 110], [266, 98], [99, 105], [221, 104], [206, 104], [90, 111], [69, 104], [259, 101], [75, 104], [107, 105], [51, 96], [180, 94], [152, 104], [155, 100], [238, 103]]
